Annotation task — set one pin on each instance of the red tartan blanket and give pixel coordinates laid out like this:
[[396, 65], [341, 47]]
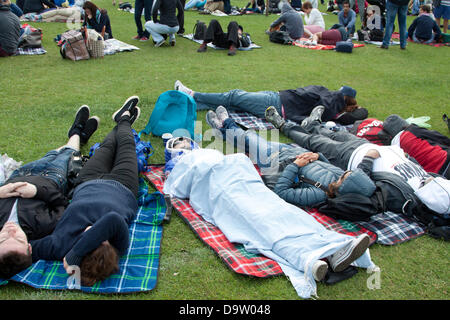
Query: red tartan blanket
[[234, 255], [396, 35], [322, 46]]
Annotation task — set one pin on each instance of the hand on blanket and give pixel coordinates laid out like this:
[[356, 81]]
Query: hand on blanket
[[69, 269], [305, 158]]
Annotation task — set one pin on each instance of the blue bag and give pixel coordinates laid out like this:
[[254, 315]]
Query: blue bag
[[173, 110], [144, 150], [344, 46]]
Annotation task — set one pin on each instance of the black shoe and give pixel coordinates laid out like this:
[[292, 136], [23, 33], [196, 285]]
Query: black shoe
[[81, 117], [383, 47], [135, 113], [89, 129], [129, 105], [203, 47], [232, 51]]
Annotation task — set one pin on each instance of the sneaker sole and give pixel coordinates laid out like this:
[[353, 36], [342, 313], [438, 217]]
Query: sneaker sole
[[321, 272], [128, 105], [76, 114], [136, 114], [352, 255]]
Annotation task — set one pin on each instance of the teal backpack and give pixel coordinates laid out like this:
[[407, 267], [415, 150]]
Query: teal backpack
[[173, 110]]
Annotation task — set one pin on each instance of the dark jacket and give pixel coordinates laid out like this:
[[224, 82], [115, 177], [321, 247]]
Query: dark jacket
[[97, 23], [424, 26], [299, 103], [167, 10], [9, 29], [106, 205], [36, 6], [37, 216]]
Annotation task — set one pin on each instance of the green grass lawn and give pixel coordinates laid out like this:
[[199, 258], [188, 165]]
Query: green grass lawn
[[40, 94]]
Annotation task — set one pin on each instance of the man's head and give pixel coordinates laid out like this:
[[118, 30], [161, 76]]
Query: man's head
[[15, 251], [352, 182], [99, 264], [346, 6]]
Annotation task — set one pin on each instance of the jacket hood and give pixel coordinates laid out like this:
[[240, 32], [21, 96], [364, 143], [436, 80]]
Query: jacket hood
[[394, 124], [357, 182], [286, 7], [436, 195]]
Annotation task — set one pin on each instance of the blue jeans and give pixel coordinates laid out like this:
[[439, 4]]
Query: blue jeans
[[258, 149], [415, 39], [157, 30], [54, 166], [199, 4], [391, 11], [255, 103]]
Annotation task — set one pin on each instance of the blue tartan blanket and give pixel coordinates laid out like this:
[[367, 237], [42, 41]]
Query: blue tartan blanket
[[138, 267]]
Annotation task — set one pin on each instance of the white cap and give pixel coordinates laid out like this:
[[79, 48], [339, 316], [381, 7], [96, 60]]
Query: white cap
[[436, 195]]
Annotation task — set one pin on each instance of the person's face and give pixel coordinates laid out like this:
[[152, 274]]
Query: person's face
[[12, 238], [308, 11], [346, 7], [88, 12]]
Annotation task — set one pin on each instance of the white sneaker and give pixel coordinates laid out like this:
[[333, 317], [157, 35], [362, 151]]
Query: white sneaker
[[180, 87], [319, 270], [342, 258], [222, 114]]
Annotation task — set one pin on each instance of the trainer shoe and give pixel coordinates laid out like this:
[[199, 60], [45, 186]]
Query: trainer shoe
[[159, 43], [89, 129], [128, 105], [143, 39], [222, 114], [340, 260], [203, 47], [180, 87], [135, 113], [212, 120], [319, 270], [136, 37], [274, 117], [316, 115], [232, 50], [81, 117]]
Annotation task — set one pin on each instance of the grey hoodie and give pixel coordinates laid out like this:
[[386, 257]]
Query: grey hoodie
[[9, 29], [292, 21]]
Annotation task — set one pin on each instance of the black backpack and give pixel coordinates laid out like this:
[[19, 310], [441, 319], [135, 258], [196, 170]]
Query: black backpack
[[281, 37], [376, 35], [355, 207], [199, 30]]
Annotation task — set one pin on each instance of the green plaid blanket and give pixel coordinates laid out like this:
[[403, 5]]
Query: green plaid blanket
[[138, 267]]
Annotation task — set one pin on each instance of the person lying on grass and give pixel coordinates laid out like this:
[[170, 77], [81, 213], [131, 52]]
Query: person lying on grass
[[93, 231], [294, 104], [34, 197]]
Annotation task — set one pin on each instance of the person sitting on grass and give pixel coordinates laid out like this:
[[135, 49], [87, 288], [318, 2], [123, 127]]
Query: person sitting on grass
[[198, 4], [230, 40], [34, 197], [424, 29], [330, 37], [37, 6], [93, 231], [97, 19], [295, 104], [289, 21], [254, 6], [9, 30], [313, 18], [347, 18]]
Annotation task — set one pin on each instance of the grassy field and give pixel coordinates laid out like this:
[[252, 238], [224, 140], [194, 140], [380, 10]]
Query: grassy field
[[40, 94]]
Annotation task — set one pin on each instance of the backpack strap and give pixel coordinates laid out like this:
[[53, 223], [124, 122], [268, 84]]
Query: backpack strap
[[316, 184]]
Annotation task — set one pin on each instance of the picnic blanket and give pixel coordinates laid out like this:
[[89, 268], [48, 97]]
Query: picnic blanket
[[30, 51], [302, 41], [113, 46], [396, 35], [190, 36], [138, 267], [250, 121], [234, 255]]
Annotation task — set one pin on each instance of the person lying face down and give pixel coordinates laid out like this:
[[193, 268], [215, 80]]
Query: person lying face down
[[292, 104], [94, 229], [34, 197], [227, 191]]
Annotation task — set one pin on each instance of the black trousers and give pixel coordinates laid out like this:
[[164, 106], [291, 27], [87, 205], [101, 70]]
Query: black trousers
[[215, 34], [115, 159]]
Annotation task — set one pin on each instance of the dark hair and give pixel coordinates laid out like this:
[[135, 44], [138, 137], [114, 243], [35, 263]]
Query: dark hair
[[332, 189], [350, 103], [306, 5], [99, 264], [345, 2], [426, 8], [13, 262], [91, 6]]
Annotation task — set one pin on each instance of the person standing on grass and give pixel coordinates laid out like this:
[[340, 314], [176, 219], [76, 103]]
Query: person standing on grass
[[34, 197], [93, 231], [168, 23], [139, 6], [395, 8], [442, 10]]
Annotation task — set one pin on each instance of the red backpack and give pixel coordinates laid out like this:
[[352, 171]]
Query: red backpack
[[372, 130]]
